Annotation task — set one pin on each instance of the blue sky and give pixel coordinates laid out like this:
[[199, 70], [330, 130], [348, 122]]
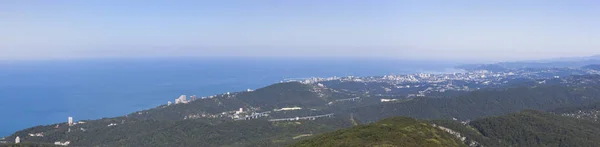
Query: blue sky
[[403, 29]]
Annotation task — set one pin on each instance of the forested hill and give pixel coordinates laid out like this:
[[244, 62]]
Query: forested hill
[[529, 128], [398, 131], [536, 128], [279, 95], [484, 103]]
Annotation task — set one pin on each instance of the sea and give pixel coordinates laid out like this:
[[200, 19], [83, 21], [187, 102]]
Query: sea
[[43, 92]]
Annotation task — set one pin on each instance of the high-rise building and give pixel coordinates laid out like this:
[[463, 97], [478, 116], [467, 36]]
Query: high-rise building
[[70, 121], [181, 99]]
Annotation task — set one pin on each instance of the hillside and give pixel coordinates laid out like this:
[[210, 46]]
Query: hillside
[[485, 103], [275, 96], [535, 128], [184, 133], [589, 112], [398, 131], [529, 128], [28, 144]]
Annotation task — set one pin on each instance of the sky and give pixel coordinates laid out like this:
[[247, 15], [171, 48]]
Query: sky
[[397, 29]]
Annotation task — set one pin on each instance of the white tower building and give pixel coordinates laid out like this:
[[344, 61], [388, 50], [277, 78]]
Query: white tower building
[[17, 140], [70, 121]]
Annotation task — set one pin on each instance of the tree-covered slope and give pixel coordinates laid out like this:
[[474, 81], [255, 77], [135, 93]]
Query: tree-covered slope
[[275, 96], [184, 133], [28, 144], [535, 128], [399, 131], [485, 103], [528, 128]]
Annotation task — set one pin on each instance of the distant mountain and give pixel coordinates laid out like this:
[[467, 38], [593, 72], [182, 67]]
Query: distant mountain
[[489, 67], [592, 67], [398, 131], [572, 62]]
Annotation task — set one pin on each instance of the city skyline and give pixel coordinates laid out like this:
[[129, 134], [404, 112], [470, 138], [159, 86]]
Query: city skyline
[[473, 30]]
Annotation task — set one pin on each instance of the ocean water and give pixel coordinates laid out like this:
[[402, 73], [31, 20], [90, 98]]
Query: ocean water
[[45, 92]]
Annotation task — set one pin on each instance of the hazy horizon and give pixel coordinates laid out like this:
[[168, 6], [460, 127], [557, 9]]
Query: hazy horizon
[[484, 31]]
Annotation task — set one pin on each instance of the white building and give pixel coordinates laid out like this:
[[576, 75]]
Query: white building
[[70, 121], [388, 100], [36, 134], [62, 143], [288, 109], [240, 111], [17, 140], [181, 99]]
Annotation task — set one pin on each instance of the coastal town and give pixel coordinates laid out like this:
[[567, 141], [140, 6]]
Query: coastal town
[[422, 84]]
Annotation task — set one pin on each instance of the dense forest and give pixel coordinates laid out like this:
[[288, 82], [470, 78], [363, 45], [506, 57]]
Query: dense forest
[[538, 129]]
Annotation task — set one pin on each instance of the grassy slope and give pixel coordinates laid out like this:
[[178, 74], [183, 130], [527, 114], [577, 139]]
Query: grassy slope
[[398, 131]]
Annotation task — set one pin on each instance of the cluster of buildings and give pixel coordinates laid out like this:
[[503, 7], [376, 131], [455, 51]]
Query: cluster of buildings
[[593, 115], [342, 100], [183, 100], [427, 83], [302, 118]]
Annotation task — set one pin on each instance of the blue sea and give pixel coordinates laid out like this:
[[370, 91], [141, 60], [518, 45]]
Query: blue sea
[[44, 92]]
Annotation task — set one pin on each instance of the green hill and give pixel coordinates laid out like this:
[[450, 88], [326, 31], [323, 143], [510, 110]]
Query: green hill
[[28, 144], [197, 132], [278, 95], [398, 131], [529, 128], [484, 103]]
